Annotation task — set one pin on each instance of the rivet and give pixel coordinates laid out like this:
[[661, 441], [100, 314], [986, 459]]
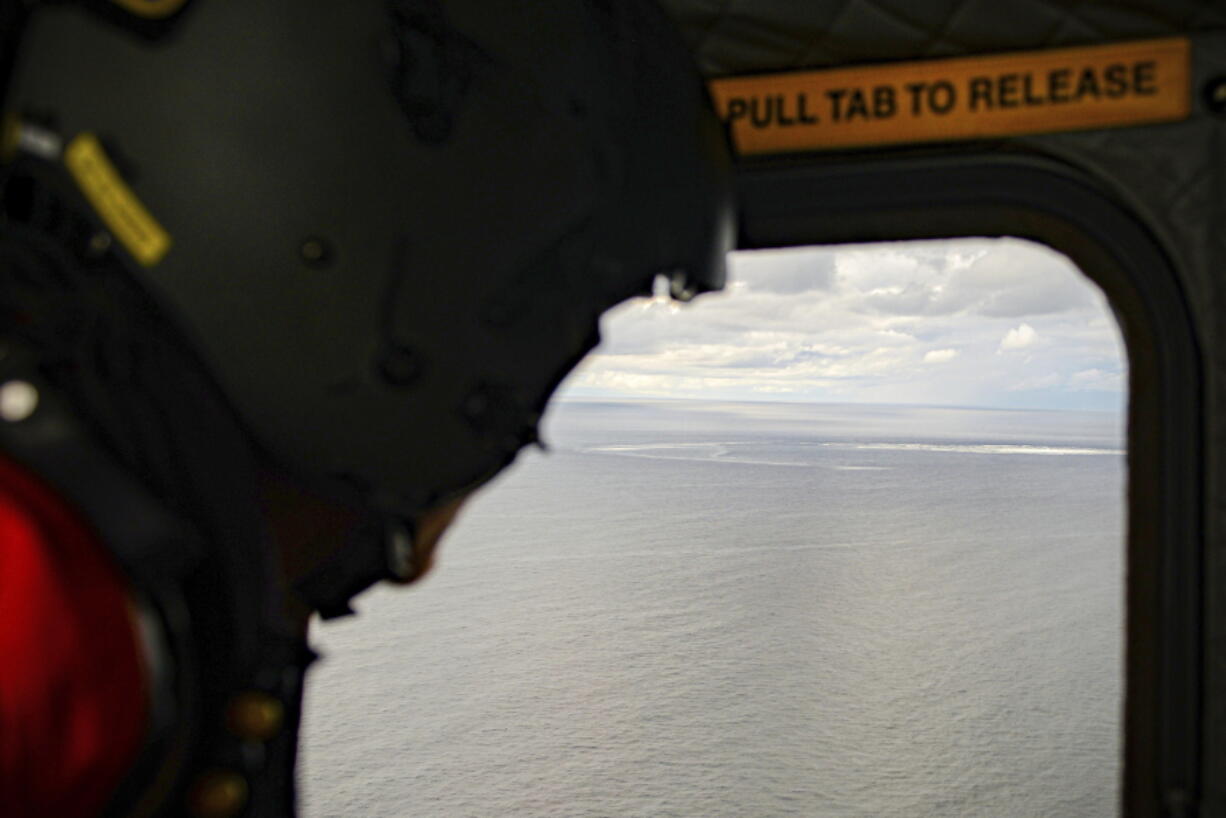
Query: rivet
[[399, 366], [18, 400], [1215, 95], [99, 243], [255, 716], [315, 251], [217, 794]]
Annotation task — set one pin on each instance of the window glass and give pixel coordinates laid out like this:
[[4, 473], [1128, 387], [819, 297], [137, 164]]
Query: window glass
[[844, 540]]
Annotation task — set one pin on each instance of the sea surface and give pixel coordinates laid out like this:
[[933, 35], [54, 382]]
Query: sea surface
[[740, 609]]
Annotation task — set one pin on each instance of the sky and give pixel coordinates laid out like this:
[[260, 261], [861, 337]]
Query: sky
[[970, 322]]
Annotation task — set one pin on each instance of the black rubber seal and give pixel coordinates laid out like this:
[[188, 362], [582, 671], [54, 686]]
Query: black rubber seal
[[926, 196]]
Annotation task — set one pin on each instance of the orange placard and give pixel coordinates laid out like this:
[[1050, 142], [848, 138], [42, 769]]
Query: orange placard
[[1029, 92]]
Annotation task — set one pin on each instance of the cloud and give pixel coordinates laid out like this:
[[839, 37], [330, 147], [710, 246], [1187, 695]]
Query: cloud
[[999, 281], [912, 299], [1019, 337], [940, 356], [1049, 381], [1039, 298], [903, 322], [1094, 380], [785, 271]]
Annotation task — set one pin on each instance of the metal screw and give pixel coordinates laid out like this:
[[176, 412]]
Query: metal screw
[[18, 400]]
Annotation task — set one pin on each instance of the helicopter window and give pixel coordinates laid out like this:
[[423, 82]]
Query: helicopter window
[[845, 539]]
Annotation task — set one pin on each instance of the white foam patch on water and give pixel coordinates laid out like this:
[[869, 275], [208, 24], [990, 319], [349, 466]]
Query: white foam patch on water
[[704, 452], [647, 447], [726, 451], [974, 448]]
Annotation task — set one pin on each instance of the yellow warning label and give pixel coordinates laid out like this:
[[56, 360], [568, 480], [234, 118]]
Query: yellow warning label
[[964, 98], [115, 202]]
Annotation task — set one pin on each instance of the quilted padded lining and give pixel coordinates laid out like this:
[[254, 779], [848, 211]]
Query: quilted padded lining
[[747, 36]]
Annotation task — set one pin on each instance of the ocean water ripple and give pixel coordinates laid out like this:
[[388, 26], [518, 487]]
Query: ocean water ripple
[[895, 624]]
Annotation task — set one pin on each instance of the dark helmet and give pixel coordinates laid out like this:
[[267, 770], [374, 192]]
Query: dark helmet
[[368, 236], [387, 227]]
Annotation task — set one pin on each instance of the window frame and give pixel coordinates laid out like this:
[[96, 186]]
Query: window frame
[[929, 195]]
